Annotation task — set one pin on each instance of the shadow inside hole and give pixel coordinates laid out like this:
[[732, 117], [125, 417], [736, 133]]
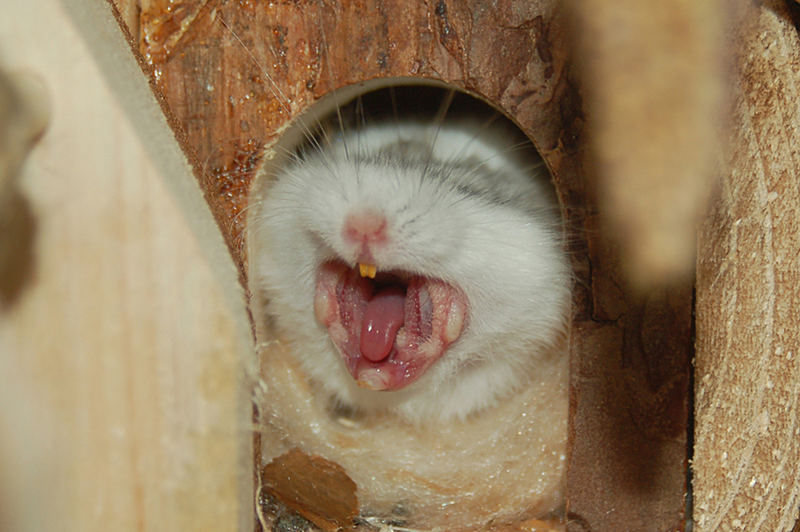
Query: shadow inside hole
[[425, 103]]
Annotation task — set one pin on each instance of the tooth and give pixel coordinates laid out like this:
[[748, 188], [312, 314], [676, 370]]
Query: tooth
[[321, 307], [373, 379], [367, 270], [455, 322]]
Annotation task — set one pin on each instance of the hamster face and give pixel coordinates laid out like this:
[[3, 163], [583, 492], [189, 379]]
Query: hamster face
[[413, 268]]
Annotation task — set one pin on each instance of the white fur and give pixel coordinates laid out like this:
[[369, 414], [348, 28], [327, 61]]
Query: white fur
[[501, 247]]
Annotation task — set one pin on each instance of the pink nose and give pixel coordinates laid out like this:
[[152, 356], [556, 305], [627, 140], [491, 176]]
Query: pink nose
[[365, 227]]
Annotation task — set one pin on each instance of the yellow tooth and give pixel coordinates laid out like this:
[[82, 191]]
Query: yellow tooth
[[367, 270]]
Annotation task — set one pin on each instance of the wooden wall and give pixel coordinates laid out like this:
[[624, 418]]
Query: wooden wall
[[124, 347]]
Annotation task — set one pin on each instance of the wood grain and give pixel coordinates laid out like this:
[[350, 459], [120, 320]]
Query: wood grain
[[747, 438], [122, 359], [316, 488]]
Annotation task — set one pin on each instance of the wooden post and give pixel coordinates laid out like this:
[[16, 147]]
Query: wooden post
[[747, 428]]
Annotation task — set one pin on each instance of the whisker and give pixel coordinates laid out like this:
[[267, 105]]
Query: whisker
[[484, 127], [438, 119], [321, 26], [278, 94]]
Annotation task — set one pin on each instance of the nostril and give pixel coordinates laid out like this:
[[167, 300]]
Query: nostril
[[366, 227]]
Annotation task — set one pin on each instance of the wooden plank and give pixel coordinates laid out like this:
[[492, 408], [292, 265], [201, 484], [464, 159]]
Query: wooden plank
[[747, 436], [123, 358]]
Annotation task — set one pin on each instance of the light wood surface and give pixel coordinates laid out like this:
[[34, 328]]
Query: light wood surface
[[747, 404], [123, 358]]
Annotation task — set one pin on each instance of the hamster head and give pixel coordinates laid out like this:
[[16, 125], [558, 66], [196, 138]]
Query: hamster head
[[413, 271]]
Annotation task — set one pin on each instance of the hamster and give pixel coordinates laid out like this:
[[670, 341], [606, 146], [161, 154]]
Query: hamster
[[414, 268]]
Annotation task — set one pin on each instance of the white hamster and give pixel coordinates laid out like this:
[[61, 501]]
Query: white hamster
[[414, 268]]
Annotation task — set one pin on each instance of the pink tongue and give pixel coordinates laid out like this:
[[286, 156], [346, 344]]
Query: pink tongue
[[383, 316]]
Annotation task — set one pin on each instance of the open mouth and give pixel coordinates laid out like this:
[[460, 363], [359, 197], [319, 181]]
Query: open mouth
[[389, 327]]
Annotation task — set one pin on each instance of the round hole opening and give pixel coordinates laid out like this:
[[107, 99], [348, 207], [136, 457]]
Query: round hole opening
[[411, 297]]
